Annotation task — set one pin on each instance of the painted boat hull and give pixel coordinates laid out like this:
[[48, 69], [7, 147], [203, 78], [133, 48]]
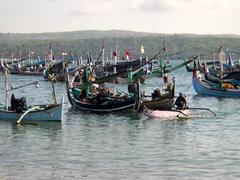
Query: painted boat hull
[[159, 104], [99, 108], [52, 112], [210, 89], [109, 105]]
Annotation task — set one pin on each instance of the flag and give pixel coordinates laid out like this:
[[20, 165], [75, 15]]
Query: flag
[[127, 54], [114, 53]]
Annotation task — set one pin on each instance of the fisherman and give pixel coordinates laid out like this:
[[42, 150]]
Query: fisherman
[[181, 102], [156, 93], [13, 103]]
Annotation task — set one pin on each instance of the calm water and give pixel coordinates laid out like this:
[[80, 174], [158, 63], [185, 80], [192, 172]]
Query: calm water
[[123, 145]]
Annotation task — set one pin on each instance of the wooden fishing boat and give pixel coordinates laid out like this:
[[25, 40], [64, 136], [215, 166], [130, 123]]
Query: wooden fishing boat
[[26, 72], [46, 112], [18, 110], [195, 66], [157, 100], [79, 81], [27, 69], [160, 102], [163, 102], [223, 89], [122, 65], [57, 69], [98, 99]]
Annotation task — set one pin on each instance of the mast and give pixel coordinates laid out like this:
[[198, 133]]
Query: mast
[[221, 59], [114, 72], [5, 70], [51, 53], [141, 52], [20, 55], [12, 58], [103, 57]]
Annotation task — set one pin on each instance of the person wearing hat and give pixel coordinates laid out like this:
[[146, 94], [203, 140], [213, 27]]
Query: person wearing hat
[[181, 102]]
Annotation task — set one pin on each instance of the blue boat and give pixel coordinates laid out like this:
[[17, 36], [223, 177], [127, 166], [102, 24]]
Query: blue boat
[[49, 112], [18, 110], [222, 89]]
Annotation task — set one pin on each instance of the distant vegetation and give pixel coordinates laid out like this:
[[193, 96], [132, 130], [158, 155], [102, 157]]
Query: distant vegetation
[[178, 45]]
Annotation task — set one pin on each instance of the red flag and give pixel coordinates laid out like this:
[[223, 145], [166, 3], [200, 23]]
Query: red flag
[[114, 53], [127, 52]]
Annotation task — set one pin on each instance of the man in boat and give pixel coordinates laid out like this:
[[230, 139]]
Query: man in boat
[[156, 93], [13, 103], [181, 102]]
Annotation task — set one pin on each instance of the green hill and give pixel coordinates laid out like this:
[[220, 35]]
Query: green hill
[[79, 42]]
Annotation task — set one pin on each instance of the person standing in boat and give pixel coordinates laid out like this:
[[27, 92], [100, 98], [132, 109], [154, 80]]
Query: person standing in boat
[[181, 102]]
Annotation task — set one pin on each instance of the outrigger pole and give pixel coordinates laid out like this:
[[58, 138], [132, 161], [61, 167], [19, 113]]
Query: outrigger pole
[[207, 109]]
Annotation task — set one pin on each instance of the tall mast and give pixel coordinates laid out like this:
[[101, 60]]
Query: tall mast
[[114, 72], [141, 52], [5, 70], [103, 57]]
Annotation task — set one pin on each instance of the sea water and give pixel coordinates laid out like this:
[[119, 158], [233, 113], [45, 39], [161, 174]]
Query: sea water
[[123, 145]]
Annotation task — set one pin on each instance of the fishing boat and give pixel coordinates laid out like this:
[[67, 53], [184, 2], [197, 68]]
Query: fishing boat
[[222, 89], [94, 97], [172, 114], [26, 72], [46, 112], [31, 67], [159, 101], [57, 69], [19, 112], [83, 95]]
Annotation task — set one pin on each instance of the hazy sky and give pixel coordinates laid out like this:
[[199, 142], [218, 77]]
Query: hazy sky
[[163, 16]]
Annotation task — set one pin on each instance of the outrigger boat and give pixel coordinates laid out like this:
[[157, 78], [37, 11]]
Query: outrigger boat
[[84, 96], [166, 114], [92, 97], [46, 112], [19, 112], [222, 89], [158, 101], [175, 113]]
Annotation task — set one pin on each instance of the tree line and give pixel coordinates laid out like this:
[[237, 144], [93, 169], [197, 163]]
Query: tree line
[[178, 46]]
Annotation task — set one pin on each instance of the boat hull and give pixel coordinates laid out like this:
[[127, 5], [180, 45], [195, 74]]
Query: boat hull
[[164, 103], [100, 107], [53, 112], [162, 114], [211, 89]]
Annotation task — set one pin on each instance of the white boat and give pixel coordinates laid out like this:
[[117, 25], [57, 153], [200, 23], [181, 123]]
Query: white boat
[[19, 112], [46, 112]]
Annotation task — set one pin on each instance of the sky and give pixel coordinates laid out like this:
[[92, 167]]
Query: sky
[[157, 16]]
